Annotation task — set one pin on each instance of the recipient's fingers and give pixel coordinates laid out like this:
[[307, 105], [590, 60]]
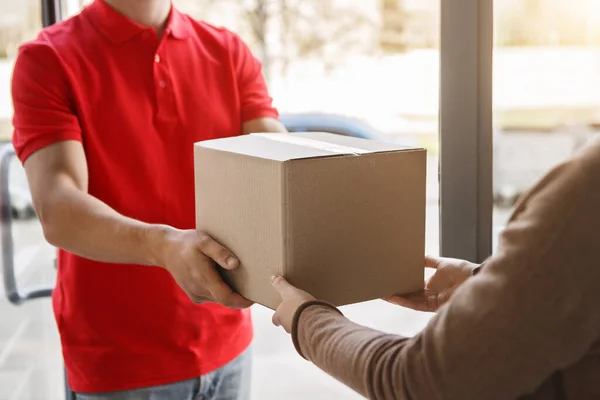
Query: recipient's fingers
[[276, 320], [219, 253], [281, 285], [432, 262], [417, 301]]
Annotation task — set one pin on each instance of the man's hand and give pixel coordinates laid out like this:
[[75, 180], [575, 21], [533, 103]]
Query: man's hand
[[291, 299], [190, 257], [449, 274]]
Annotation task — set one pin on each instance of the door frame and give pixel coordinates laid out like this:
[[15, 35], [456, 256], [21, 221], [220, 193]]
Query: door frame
[[466, 130]]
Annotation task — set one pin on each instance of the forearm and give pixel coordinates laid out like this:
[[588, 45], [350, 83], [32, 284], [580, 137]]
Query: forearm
[[362, 358], [263, 125], [81, 224]]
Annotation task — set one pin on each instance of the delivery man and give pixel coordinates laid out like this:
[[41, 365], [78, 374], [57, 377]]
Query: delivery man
[[107, 107]]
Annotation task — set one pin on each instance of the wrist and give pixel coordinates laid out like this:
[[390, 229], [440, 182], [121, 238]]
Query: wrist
[[295, 328], [155, 239]]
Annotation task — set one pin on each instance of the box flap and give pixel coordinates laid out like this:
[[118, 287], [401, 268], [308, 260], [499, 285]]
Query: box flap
[[292, 146]]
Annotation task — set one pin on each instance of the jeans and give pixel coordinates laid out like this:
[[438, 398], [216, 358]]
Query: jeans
[[231, 382]]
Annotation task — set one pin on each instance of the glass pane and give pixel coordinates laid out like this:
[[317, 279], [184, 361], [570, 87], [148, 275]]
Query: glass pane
[[30, 359], [376, 62], [546, 79]]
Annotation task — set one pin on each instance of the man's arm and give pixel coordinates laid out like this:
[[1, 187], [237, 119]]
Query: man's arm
[[263, 125], [530, 312], [79, 223], [258, 113], [47, 139]]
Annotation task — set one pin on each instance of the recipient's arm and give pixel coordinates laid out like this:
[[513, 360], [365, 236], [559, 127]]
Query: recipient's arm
[[531, 311], [76, 221]]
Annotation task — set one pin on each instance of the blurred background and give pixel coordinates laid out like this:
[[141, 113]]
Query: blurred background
[[367, 69]]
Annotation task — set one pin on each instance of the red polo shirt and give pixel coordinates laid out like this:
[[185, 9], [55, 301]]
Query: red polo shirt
[[137, 103]]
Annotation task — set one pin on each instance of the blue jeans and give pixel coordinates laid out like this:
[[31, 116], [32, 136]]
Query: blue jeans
[[231, 382]]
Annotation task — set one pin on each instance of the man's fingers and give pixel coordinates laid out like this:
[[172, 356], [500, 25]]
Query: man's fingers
[[240, 301], [221, 292], [280, 284], [219, 253], [197, 299]]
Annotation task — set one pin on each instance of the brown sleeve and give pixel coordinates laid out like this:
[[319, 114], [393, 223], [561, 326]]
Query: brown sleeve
[[531, 311]]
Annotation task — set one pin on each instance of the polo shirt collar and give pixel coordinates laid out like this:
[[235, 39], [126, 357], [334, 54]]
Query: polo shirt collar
[[119, 29]]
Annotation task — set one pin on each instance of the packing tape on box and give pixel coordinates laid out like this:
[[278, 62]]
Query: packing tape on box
[[315, 144]]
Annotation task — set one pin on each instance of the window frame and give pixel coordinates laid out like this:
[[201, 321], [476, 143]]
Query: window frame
[[466, 130], [51, 12]]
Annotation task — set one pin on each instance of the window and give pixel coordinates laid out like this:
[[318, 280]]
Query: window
[[546, 79], [19, 21]]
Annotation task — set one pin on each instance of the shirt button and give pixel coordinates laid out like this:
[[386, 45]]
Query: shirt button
[[156, 58], [162, 84]]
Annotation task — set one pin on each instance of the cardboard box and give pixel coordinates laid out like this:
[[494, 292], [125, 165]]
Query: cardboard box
[[340, 217]]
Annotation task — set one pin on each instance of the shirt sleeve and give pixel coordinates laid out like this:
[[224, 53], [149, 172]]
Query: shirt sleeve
[[532, 311], [44, 111], [254, 96]]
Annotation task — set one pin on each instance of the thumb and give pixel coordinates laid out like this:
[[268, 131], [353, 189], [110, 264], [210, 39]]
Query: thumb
[[280, 284], [417, 301], [214, 250]]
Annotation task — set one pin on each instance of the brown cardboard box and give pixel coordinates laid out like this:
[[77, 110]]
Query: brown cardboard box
[[340, 217]]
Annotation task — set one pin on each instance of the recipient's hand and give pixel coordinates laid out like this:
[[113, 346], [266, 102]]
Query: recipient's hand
[[190, 257], [291, 299], [449, 274]]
